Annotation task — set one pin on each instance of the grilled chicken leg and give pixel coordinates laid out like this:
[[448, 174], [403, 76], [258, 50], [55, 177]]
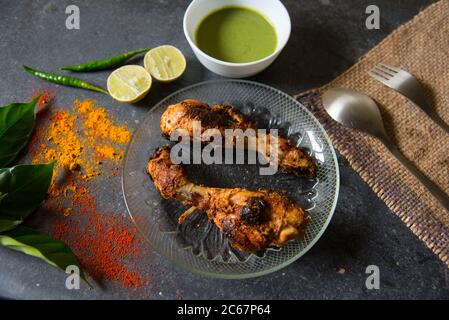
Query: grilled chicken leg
[[183, 115], [251, 220]]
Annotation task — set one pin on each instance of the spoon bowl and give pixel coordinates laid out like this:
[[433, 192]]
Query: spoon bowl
[[354, 110]]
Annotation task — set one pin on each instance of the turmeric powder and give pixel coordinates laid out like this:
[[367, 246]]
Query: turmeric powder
[[108, 152], [97, 123], [67, 146], [80, 141]]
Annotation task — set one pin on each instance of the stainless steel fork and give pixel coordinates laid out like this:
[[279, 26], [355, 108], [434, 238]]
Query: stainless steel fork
[[407, 85]]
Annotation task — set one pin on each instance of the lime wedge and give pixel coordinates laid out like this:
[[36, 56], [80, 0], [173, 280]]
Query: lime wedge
[[129, 83], [165, 63]]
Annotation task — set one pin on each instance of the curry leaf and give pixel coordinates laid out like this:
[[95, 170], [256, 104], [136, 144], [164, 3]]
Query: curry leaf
[[23, 187], [16, 125], [40, 245], [8, 224]]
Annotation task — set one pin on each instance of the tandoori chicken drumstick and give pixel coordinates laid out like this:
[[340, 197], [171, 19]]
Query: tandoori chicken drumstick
[[251, 220], [183, 115]]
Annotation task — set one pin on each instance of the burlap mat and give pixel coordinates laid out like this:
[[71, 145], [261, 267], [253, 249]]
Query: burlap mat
[[421, 46]]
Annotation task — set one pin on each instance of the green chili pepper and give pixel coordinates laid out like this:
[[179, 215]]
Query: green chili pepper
[[104, 63], [64, 80]]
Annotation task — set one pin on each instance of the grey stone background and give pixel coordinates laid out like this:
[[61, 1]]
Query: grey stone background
[[328, 36]]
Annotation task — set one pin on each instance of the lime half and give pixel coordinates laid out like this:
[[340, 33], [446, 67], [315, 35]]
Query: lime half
[[129, 83], [165, 63]]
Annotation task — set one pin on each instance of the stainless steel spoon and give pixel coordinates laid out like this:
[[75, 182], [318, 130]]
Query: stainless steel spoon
[[358, 111]]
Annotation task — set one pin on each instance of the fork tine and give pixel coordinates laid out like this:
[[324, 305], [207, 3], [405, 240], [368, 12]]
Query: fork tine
[[386, 70], [383, 73], [379, 77], [398, 70], [391, 68]]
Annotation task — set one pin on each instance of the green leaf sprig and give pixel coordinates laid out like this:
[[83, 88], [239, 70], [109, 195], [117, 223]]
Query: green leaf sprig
[[22, 189], [16, 125], [40, 245]]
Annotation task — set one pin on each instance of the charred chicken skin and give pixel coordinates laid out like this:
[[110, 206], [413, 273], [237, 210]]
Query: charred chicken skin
[[251, 220], [182, 115]]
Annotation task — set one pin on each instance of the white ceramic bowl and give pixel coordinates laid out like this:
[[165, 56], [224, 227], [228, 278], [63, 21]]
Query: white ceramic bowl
[[274, 10]]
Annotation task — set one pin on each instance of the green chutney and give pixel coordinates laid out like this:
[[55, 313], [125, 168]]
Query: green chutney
[[236, 34]]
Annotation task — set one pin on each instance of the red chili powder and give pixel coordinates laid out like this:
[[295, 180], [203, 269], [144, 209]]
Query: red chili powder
[[46, 97], [42, 110], [104, 245]]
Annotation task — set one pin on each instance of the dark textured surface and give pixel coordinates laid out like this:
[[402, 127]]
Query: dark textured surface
[[327, 37]]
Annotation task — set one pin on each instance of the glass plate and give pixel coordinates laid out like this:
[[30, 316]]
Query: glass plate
[[198, 245]]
